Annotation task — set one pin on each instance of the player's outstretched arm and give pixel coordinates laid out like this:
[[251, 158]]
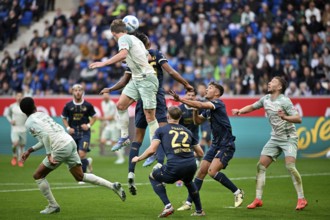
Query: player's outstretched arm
[[27, 153], [151, 150], [194, 104], [244, 110], [119, 85], [120, 56], [175, 75]]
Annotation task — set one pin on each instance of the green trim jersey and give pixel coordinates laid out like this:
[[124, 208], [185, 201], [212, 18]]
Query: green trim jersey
[[281, 129], [49, 133], [137, 58], [14, 113]]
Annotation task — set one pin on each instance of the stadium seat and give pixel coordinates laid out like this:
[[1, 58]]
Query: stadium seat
[[26, 19]]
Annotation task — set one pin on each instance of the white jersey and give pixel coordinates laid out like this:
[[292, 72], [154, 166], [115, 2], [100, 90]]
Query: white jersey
[[137, 58], [14, 113], [49, 133], [109, 109], [281, 129]]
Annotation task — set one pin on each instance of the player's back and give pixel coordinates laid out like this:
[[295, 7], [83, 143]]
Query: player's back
[[42, 126], [187, 120], [177, 142]]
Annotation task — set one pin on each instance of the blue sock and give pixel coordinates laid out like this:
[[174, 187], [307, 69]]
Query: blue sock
[[160, 154], [194, 195], [198, 183], [134, 151], [223, 179], [84, 164], [160, 190]]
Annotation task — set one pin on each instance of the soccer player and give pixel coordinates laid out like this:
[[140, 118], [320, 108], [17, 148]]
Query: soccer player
[[222, 148], [60, 148], [179, 146], [158, 62], [18, 131], [110, 127], [143, 85], [78, 116], [282, 116]]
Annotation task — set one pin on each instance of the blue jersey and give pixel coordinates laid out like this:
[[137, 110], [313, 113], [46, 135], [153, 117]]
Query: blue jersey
[[177, 142], [187, 120], [157, 60], [220, 124], [78, 114]]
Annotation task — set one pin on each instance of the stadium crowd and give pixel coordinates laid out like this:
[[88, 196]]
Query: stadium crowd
[[241, 44]]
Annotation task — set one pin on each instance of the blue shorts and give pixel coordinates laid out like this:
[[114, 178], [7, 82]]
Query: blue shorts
[[172, 173], [225, 154], [161, 110], [83, 142]]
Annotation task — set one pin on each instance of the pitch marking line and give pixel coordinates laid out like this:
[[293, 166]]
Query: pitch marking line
[[74, 185]]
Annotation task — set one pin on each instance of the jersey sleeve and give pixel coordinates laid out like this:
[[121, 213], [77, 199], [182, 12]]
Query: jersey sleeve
[[158, 134], [65, 112], [289, 108], [128, 70], [91, 110], [161, 59], [124, 42], [259, 104], [8, 113]]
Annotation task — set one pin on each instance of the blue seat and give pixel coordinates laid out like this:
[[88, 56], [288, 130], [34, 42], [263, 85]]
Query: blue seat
[[26, 18]]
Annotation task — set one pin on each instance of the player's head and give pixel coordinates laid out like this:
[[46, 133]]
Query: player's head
[[174, 113], [190, 95], [117, 26], [27, 106], [18, 97], [214, 90], [106, 96], [201, 89], [277, 84], [78, 92], [144, 38]]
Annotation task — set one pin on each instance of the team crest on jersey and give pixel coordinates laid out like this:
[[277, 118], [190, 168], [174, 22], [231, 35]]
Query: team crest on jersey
[[83, 108]]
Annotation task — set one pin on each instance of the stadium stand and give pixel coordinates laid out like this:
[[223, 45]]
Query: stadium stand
[[239, 43]]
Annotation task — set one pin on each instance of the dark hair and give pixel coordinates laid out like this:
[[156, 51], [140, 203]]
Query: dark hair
[[194, 91], [118, 26], [175, 112], [142, 37], [283, 83], [218, 86], [27, 105]]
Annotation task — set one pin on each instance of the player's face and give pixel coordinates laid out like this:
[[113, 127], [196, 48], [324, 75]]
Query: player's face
[[19, 97], [78, 93], [274, 85], [211, 91], [201, 90], [106, 97], [190, 96]]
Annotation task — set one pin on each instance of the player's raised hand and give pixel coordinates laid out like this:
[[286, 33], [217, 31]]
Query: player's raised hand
[[175, 96], [281, 114], [51, 160], [105, 90], [235, 111], [189, 88], [96, 65], [25, 156]]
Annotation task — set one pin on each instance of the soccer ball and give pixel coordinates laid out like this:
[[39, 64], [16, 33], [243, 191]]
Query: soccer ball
[[132, 23]]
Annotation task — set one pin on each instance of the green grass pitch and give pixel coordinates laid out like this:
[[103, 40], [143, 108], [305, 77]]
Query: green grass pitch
[[21, 199]]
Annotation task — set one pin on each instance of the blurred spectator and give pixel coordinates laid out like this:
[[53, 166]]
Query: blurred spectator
[[292, 90], [5, 89], [36, 7], [69, 50], [11, 25], [30, 62], [247, 16], [312, 11]]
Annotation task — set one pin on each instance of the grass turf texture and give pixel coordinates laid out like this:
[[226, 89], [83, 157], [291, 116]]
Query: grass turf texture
[[21, 199]]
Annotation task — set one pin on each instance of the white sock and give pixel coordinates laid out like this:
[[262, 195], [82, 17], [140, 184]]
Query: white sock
[[296, 179], [153, 125], [237, 192], [123, 121], [45, 190], [261, 180], [96, 180], [120, 154]]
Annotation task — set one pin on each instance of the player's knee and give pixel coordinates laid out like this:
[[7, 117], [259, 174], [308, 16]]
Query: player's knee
[[291, 167], [37, 176], [260, 167], [212, 172]]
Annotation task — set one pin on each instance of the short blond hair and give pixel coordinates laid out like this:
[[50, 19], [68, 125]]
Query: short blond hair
[[118, 26]]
